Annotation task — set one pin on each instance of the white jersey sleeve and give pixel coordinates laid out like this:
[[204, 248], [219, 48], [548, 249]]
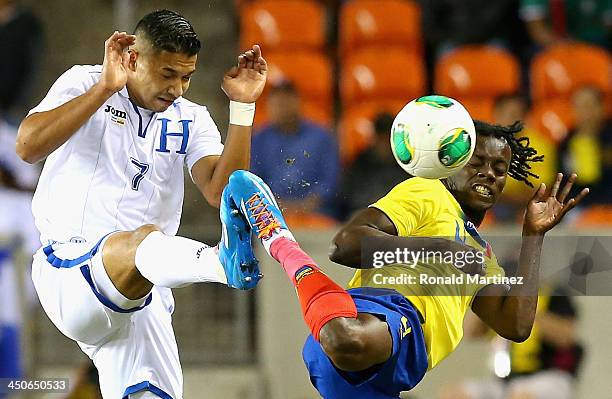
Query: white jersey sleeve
[[72, 83], [206, 138]]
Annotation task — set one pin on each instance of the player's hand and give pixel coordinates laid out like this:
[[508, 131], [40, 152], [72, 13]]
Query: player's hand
[[245, 83], [116, 58], [545, 211]]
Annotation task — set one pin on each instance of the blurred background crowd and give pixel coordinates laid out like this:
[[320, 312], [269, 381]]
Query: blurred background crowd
[[355, 63], [338, 73]]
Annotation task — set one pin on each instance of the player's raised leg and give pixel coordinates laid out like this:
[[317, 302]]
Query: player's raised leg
[[352, 341], [136, 260], [365, 343]]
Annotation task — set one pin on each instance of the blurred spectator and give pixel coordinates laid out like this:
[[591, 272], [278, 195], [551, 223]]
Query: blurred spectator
[[543, 367], [587, 149], [374, 172], [550, 20], [296, 157], [507, 110], [17, 233], [448, 24], [20, 38], [23, 176], [451, 23], [20, 41]]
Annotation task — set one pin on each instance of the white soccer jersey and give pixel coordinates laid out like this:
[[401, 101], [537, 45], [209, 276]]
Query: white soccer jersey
[[123, 168]]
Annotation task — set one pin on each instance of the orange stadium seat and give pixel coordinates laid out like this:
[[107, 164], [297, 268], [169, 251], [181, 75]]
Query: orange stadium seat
[[356, 127], [311, 73], [380, 23], [479, 108], [552, 118], [283, 25], [560, 69], [381, 74], [477, 72], [595, 216], [310, 221]]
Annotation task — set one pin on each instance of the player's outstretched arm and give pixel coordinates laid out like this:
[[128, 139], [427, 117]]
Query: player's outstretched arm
[[372, 222], [43, 132], [243, 84], [510, 311], [346, 244]]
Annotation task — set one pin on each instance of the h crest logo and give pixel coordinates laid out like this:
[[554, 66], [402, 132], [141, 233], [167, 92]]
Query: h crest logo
[[164, 134]]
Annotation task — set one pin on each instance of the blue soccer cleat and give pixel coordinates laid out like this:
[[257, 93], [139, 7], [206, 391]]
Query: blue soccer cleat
[[257, 204], [235, 250]]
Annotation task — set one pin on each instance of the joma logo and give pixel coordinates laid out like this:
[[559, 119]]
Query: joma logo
[[117, 116]]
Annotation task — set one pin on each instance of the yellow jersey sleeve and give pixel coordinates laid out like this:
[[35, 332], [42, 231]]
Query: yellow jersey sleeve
[[410, 203]]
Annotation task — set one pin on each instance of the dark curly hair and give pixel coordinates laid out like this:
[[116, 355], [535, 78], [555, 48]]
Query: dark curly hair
[[523, 155], [169, 31]]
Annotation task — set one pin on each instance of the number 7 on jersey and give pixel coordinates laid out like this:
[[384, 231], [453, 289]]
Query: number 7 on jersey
[[143, 168]]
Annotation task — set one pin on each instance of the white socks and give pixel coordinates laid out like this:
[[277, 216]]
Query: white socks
[[172, 262]]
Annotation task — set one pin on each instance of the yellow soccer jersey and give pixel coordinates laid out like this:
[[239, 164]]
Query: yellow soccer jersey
[[425, 208]]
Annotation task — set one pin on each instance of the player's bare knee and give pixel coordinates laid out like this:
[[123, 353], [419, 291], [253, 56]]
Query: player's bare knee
[[121, 246], [142, 232], [343, 341], [119, 259], [136, 237]]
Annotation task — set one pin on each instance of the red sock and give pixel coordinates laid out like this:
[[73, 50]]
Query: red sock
[[320, 297]]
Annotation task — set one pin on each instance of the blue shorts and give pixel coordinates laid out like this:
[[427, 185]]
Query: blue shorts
[[401, 372]]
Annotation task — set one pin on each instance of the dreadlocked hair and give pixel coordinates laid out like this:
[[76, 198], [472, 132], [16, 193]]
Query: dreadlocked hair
[[523, 155]]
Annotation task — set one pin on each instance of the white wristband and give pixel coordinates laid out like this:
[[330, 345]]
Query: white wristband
[[241, 114]]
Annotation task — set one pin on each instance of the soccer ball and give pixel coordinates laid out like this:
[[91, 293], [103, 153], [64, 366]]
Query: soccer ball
[[433, 137]]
